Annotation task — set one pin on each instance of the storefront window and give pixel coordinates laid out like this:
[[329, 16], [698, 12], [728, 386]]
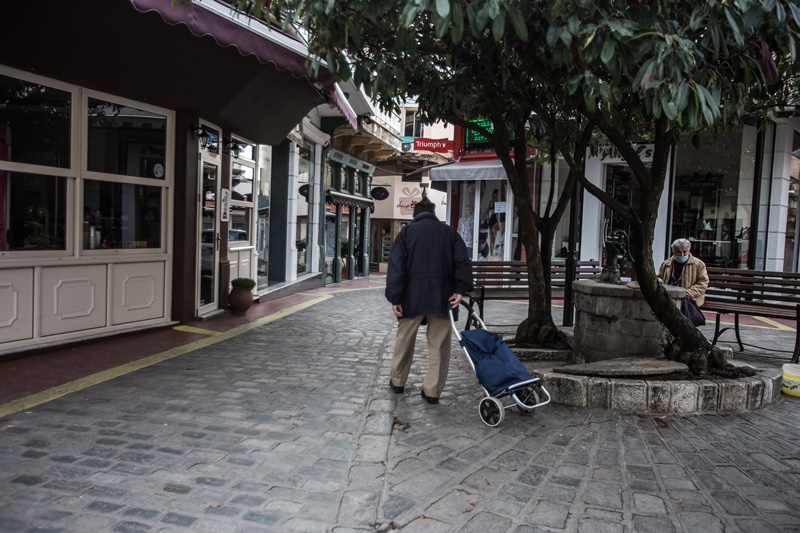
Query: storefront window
[[121, 215], [126, 141], [712, 204], [34, 123], [463, 202], [242, 182], [491, 228], [239, 231], [790, 261], [344, 240], [242, 204], [262, 226], [306, 178], [330, 241], [247, 151], [32, 212]]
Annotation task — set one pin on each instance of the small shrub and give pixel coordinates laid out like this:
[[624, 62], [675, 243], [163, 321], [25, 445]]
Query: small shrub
[[245, 283]]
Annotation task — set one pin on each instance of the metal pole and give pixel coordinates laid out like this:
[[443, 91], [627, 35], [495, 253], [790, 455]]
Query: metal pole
[[572, 258]]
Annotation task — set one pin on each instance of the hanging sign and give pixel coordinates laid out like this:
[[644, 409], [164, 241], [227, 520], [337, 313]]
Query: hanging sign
[[224, 204], [380, 193], [433, 145]]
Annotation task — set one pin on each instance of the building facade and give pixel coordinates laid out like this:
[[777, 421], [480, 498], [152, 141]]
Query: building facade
[[149, 159], [734, 197]]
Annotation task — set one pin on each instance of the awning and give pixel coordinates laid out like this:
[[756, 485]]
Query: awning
[[251, 37], [206, 61], [490, 169], [350, 200]]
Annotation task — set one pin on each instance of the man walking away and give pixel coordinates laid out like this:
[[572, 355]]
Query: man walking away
[[429, 270]]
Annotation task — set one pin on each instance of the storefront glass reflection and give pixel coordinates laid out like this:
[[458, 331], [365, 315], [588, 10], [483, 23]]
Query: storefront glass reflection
[[713, 203], [33, 209]]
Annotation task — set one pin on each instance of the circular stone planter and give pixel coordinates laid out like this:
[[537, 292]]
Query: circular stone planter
[[658, 397], [614, 320]]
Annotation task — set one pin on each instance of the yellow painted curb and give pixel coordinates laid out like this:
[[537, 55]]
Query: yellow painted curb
[[190, 329], [774, 324], [45, 396]]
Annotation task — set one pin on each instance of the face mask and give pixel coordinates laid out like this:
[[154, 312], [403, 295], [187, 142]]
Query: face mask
[[681, 258]]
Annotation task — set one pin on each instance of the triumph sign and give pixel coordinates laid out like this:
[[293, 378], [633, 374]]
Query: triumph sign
[[433, 145]]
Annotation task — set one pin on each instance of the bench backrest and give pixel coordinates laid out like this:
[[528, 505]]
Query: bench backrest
[[758, 287], [515, 273]]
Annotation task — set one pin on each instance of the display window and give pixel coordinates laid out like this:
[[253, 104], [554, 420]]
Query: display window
[[73, 159], [35, 123], [127, 169], [37, 166], [121, 215], [125, 140], [713, 197], [34, 211]]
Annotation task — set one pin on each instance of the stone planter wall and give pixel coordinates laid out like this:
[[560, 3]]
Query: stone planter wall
[[656, 397], [615, 321]]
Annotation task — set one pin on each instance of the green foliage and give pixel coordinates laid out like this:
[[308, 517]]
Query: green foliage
[[245, 283], [563, 73]]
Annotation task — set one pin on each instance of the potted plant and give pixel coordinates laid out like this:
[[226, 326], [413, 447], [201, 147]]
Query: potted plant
[[241, 296]]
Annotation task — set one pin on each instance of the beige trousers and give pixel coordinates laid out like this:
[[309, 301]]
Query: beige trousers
[[439, 335]]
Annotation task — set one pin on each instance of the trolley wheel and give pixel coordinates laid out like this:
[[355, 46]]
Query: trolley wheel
[[527, 399], [492, 411]]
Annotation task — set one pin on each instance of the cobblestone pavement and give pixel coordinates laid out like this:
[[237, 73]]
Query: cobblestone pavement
[[291, 426]]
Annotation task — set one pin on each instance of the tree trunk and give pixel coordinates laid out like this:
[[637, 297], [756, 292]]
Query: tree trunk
[[689, 345], [538, 328]]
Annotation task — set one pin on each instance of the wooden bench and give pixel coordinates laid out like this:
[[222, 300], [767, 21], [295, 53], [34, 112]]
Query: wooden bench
[[753, 292], [508, 280]]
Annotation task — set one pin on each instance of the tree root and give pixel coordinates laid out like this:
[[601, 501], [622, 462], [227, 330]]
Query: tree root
[[534, 334], [703, 363]]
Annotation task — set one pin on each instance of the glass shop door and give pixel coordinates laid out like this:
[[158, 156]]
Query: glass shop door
[[209, 236]]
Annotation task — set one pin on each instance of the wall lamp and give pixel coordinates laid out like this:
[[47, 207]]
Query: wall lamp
[[234, 147], [366, 118], [200, 132]]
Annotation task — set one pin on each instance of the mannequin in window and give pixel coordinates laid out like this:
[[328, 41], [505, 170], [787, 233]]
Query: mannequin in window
[[493, 221], [466, 228]]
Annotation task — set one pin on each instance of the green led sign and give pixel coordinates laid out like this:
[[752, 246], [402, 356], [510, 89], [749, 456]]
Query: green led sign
[[475, 137]]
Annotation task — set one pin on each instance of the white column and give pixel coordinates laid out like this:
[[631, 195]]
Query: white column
[[592, 221], [781, 174], [314, 200], [662, 228]]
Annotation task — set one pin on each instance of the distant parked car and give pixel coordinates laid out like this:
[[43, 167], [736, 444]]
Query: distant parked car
[[207, 247]]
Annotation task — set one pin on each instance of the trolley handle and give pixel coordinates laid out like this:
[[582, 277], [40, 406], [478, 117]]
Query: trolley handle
[[472, 315]]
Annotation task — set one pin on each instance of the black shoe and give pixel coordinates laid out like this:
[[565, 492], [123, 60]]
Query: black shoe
[[428, 398], [396, 389]]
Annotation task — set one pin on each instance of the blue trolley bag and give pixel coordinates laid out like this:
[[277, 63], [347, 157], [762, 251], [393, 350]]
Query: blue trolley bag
[[496, 366]]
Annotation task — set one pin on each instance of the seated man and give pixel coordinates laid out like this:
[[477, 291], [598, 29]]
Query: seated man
[[685, 270]]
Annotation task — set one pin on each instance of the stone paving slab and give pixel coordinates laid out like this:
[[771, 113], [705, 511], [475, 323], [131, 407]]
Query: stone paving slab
[[292, 427], [626, 366]]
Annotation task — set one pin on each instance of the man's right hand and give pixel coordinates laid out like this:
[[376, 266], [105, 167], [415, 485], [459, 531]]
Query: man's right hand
[[397, 310]]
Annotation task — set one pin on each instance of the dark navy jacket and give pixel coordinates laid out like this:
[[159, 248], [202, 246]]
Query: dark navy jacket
[[427, 265]]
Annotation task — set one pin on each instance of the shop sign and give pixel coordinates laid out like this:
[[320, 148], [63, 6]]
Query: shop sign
[[409, 199], [643, 150], [380, 193], [225, 204], [433, 145]]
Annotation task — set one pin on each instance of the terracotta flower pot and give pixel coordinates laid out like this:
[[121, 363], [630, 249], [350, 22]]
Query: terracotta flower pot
[[240, 299]]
